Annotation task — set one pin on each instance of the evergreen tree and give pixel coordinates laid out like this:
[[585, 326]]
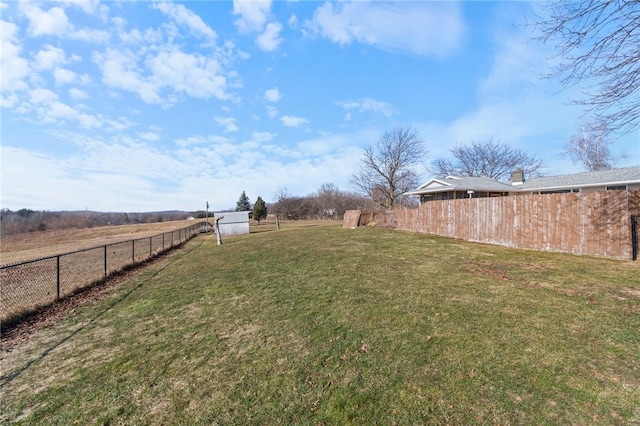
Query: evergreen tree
[[259, 210], [243, 204]]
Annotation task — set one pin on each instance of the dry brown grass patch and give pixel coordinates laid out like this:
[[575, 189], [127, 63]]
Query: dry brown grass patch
[[33, 245]]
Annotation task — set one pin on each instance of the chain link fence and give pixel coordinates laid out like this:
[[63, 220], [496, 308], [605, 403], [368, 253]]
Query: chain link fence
[[28, 285]]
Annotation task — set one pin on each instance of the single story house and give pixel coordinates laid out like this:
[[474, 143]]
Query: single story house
[[454, 187]]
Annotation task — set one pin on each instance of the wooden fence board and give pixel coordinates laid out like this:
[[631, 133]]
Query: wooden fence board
[[591, 223]]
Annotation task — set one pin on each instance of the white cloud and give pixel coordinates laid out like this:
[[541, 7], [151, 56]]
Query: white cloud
[[120, 71], [514, 104], [196, 75], [48, 58], [292, 121], [58, 110], [41, 23], [149, 136], [49, 109], [272, 95], [78, 94], [190, 141], [90, 7], [54, 111], [369, 104], [88, 121], [184, 16], [84, 79], [196, 140], [517, 66], [272, 111], [86, 177], [14, 67], [9, 101], [90, 35], [171, 70], [253, 14], [64, 76], [40, 96], [422, 28], [270, 39], [293, 21], [229, 123], [262, 136], [54, 22], [24, 170]]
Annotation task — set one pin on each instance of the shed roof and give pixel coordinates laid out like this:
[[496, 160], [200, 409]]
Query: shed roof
[[232, 217]]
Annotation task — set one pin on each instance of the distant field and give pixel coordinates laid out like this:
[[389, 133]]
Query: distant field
[[31, 245], [319, 325]]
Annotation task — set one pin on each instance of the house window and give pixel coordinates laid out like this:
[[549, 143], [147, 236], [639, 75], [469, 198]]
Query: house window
[[616, 187], [559, 191]]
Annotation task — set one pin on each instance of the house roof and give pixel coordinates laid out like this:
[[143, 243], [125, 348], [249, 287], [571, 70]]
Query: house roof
[[461, 183], [620, 176]]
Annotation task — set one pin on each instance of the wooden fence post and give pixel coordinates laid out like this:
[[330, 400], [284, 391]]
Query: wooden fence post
[[218, 236], [634, 236], [58, 278]]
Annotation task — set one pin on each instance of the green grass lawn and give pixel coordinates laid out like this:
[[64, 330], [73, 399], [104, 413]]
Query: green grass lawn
[[323, 325]]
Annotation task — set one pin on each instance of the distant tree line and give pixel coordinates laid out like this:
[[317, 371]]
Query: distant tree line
[[27, 220], [328, 202]]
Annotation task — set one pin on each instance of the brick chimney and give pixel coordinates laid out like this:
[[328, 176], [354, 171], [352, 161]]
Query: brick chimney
[[517, 177]]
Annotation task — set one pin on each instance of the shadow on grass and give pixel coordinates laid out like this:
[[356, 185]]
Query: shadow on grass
[[5, 379], [10, 377], [263, 227]]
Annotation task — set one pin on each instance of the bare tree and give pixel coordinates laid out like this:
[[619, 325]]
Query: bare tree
[[387, 168], [281, 204], [491, 159], [327, 200], [590, 148], [332, 202], [598, 42]]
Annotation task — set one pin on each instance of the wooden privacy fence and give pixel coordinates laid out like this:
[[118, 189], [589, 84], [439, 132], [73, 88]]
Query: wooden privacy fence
[[358, 218], [28, 285], [589, 223]]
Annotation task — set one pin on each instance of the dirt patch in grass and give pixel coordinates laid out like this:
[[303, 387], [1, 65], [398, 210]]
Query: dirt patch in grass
[[487, 268], [631, 292]]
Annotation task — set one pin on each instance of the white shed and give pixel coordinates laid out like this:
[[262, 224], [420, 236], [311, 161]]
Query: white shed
[[233, 223]]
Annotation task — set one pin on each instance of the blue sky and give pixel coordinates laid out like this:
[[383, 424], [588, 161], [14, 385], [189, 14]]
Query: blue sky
[[146, 106]]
